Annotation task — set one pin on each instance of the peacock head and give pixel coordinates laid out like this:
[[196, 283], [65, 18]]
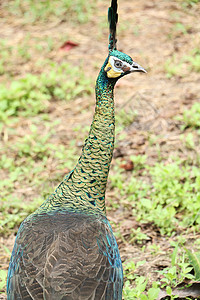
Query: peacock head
[[120, 64]]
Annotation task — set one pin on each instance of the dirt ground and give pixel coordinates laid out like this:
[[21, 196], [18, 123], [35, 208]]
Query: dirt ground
[[148, 33]]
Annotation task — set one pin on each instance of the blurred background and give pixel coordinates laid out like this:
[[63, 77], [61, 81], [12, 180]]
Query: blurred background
[[50, 55]]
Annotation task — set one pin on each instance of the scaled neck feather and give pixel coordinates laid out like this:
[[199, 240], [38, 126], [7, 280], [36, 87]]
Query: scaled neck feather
[[84, 188], [91, 172]]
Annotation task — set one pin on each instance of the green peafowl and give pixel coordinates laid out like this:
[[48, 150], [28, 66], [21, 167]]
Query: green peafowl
[[66, 248]]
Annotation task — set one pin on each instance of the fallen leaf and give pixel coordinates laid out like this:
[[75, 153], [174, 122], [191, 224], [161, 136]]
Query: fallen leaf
[[68, 45], [128, 166]]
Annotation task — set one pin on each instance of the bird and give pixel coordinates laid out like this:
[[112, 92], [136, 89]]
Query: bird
[[66, 249]]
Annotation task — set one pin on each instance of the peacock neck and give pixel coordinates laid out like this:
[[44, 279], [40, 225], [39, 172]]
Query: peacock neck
[[90, 174], [83, 189]]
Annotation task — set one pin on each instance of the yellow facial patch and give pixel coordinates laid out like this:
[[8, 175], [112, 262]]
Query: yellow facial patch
[[110, 72]]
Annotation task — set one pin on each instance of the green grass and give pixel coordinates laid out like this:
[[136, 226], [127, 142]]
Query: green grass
[[183, 265], [125, 117], [14, 56], [165, 195], [188, 3], [174, 66], [6, 52], [170, 199], [33, 11], [3, 276], [181, 28], [26, 167], [194, 60], [171, 68], [31, 94], [138, 291], [191, 117]]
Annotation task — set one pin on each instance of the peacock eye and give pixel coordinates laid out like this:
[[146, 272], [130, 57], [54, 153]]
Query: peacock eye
[[118, 64]]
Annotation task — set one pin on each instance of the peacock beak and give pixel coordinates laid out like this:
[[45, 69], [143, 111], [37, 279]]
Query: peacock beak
[[137, 68]]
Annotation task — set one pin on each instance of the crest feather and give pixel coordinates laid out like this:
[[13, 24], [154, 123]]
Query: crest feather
[[112, 19]]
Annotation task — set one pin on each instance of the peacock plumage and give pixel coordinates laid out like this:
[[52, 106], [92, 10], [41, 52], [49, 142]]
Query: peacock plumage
[[66, 248]]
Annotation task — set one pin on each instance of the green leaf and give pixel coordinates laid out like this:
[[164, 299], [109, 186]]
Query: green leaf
[[153, 293], [168, 290], [194, 258], [143, 297], [174, 255], [3, 275]]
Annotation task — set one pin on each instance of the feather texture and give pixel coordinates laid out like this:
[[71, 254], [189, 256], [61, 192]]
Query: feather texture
[[112, 19], [60, 258]]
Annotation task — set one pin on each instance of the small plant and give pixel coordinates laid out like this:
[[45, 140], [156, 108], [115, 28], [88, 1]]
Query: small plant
[[180, 27], [191, 117], [189, 3], [194, 258], [179, 270], [125, 118], [5, 54], [135, 285], [169, 199], [189, 140], [155, 249], [194, 60], [172, 68], [131, 293], [139, 161], [137, 236]]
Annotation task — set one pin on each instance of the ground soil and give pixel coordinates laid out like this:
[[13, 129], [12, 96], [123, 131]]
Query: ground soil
[[149, 34]]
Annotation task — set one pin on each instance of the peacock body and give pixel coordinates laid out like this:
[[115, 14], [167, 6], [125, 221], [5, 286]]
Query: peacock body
[[66, 249]]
